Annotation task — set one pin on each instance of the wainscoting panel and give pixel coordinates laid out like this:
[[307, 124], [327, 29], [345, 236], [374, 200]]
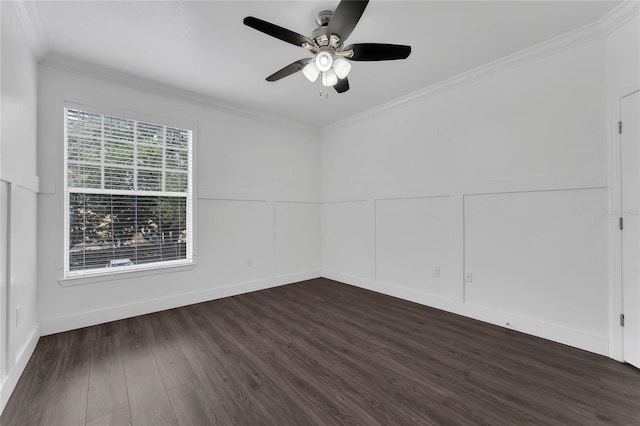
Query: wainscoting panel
[[541, 255], [412, 236], [235, 239], [297, 237], [347, 239]]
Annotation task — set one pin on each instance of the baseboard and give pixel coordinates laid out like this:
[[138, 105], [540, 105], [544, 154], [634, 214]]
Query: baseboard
[[421, 297], [580, 339], [356, 280], [114, 313], [10, 382], [297, 276], [569, 336]]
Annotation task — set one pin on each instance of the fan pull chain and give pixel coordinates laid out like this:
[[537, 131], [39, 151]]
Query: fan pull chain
[[324, 91]]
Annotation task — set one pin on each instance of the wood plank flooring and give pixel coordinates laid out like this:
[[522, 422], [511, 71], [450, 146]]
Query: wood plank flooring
[[317, 352]]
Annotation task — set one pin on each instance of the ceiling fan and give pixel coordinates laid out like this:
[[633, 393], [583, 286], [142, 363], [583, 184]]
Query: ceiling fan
[[327, 45]]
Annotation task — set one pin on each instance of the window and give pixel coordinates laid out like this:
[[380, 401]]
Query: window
[[128, 196]]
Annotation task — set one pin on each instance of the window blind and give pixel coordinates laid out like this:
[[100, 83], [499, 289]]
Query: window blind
[[128, 195]]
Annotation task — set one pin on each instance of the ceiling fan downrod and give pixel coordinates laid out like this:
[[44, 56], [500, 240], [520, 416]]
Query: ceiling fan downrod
[[323, 17]]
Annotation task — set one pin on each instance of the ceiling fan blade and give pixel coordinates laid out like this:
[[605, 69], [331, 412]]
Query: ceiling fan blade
[[345, 18], [342, 85], [289, 69], [276, 31], [378, 51]]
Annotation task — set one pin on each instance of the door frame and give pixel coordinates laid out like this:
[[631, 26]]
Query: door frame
[[616, 348]]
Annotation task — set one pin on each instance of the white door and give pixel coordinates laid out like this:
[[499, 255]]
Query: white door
[[630, 182]]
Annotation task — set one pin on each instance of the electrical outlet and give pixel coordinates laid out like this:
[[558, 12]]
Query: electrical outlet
[[468, 277], [436, 271], [17, 315], [249, 262]]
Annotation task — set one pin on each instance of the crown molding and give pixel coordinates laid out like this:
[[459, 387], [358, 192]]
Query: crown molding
[[618, 16], [32, 27], [108, 75]]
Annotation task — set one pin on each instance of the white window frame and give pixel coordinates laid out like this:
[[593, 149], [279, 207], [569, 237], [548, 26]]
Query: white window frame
[[134, 269]]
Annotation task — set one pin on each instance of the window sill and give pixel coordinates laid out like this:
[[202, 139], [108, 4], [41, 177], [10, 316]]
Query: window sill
[[124, 275]]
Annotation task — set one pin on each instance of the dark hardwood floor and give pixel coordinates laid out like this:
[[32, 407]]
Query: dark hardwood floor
[[316, 352]]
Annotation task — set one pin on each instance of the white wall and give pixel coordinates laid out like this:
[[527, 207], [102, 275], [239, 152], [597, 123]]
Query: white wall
[[504, 176], [18, 211], [257, 185]]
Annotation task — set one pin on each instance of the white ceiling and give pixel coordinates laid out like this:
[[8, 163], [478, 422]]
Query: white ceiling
[[203, 46]]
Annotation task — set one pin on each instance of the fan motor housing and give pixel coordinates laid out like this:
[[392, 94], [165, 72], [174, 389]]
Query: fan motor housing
[[323, 39], [320, 35]]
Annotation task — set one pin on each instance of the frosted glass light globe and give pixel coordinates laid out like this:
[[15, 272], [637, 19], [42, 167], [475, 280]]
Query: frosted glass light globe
[[311, 71], [329, 78], [324, 61], [341, 67]]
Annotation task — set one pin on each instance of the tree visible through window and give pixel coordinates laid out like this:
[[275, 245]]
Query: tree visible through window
[[127, 193]]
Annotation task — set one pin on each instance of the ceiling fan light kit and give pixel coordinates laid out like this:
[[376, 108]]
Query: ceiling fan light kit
[[331, 59]]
